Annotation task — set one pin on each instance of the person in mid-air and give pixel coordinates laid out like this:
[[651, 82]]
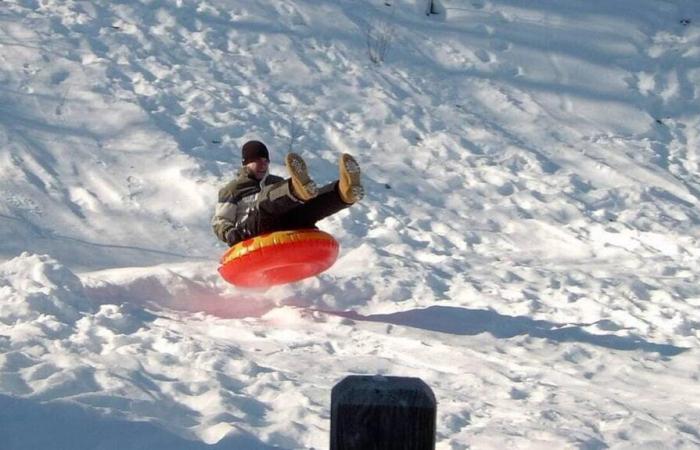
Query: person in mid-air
[[257, 202]]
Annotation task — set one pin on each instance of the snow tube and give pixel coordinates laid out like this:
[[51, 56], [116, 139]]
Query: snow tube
[[278, 258]]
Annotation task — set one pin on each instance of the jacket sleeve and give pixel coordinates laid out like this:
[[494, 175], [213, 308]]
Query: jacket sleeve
[[224, 220]]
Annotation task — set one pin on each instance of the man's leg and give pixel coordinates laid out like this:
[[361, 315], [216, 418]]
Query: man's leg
[[331, 198], [272, 203], [280, 209], [275, 201], [305, 215]]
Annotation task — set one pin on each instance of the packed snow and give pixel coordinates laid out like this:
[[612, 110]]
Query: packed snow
[[528, 244]]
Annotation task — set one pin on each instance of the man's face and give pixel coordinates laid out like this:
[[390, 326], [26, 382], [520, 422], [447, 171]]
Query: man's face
[[258, 167]]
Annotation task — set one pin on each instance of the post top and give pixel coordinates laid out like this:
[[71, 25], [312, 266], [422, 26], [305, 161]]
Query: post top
[[383, 390]]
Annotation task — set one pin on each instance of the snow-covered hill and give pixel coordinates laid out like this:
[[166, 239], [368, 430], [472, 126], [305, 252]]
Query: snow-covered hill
[[528, 245]]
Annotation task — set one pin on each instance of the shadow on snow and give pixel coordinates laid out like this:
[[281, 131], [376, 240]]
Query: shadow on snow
[[27, 425], [471, 322]]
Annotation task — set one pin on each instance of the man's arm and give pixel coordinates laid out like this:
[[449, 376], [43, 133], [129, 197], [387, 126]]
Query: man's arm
[[224, 220]]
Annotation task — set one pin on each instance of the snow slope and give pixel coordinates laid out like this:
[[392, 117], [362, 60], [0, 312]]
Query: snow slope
[[528, 245]]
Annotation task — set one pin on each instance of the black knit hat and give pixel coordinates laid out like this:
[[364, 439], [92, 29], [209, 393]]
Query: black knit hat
[[252, 150]]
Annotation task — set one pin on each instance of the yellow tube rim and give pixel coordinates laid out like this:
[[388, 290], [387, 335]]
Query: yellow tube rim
[[271, 239]]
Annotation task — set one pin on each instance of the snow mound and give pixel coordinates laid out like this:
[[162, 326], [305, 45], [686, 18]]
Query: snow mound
[[37, 286]]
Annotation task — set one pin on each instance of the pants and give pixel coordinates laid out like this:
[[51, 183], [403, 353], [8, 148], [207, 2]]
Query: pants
[[278, 210]]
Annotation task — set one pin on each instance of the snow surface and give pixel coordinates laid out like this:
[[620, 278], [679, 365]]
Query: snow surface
[[528, 245]]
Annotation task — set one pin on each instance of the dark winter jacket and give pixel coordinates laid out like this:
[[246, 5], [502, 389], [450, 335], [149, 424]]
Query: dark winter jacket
[[237, 214]]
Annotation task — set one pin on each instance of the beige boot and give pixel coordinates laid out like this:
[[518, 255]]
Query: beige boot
[[303, 187], [349, 185]]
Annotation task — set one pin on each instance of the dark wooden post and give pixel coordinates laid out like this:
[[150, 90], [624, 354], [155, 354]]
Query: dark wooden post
[[382, 413]]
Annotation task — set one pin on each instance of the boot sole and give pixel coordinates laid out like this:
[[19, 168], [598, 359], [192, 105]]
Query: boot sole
[[351, 169], [300, 176]]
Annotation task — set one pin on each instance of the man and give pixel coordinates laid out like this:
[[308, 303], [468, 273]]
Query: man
[[257, 202]]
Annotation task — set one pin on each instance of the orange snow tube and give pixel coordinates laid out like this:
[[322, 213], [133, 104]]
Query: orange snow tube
[[278, 258]]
